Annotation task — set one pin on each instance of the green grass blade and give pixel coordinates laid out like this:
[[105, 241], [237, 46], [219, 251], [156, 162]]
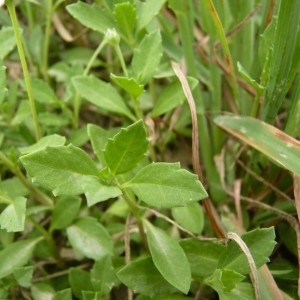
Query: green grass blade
[[282, 57]]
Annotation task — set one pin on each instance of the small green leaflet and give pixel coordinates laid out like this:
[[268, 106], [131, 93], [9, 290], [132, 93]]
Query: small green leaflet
[[146, 57], [125, 17], [130, 85], [166, 185], [90, 238], [7, 41], [143, 277], [16, 255], [169, 258], [127, 148], [101, 94], [91, 16], [12, 217], [64, 170]]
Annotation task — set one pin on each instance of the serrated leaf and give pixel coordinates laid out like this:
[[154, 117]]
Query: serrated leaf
[[203, 256], [143, 277], [190, 217], [103, 275], [7, 41], [23, 276], [130, 85], [99, 137], [62, 217], [97, 192], [274, 143], [224, 279], [16, 255], [260, 242], [126, 149], [91, 16], [166, 185], [101, 94], [166, 254], [125, 17], [90, 238], [62, 170], [147, 11], [171, 96], [53, 140], [146, 57], [228, 285], [12, 217]]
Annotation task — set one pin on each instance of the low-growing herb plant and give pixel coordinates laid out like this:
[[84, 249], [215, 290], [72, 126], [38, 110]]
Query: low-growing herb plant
[[98, 101]]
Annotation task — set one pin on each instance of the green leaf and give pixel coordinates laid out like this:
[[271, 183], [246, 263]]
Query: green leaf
[[224, 279], [16, 255], [260, 243], [125, 17], [7, 41], [63, 295], [13, 216], [13, 188], [101, 94], [166, 185], [91, 16], [285, 45], [97, 192], [171, 97], [203, 256], [3, 89], [65, 211], [62, 169], [147, 11], [143, 277], [249, 79], [23, 276], [274, 143], [99, 137], [127, 148], [164, 297], [53, 140], [103, 276], [146, 57], [169, 258], [80, 281], [130, 85], [42, 291], [42, 92], [90, 238], [190, 217], [229, 286]]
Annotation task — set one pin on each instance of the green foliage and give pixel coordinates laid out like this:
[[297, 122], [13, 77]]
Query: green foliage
[[98, 143], [166, 253]]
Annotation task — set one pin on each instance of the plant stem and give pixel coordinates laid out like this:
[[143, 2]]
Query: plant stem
[[94, 56], [136, 212], [15, 24], [49, 10]]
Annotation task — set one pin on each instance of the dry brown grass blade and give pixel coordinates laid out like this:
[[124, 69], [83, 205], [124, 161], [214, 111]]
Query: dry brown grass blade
[[246, 251], [210, 210]]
